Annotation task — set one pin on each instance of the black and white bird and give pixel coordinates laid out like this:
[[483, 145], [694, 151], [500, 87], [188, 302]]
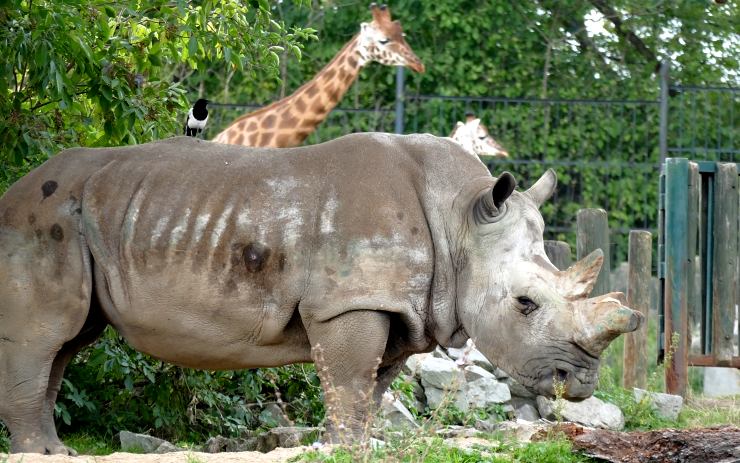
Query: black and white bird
[[197, 118]]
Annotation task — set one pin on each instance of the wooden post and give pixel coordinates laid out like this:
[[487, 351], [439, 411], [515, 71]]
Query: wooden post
[[724, 287], [693, 292], [592, 232], [634, 373], [559, 253]]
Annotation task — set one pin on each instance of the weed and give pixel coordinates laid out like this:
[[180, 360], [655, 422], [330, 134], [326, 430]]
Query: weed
[[86, 444], [559, 405], [4, 439], [190, 458]]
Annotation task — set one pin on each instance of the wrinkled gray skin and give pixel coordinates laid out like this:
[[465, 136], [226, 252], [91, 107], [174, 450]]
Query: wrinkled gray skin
[[213, 256]]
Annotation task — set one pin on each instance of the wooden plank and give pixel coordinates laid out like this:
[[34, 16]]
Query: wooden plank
[[710, 361], [676, 271], [559, 253], [724, 275], [693, 280], [634, 373], [592, 232]]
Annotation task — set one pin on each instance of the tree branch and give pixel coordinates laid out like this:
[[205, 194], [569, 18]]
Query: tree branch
[[625, 34]]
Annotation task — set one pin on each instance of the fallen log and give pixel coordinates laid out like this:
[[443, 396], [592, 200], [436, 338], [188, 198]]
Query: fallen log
[[719, 444]]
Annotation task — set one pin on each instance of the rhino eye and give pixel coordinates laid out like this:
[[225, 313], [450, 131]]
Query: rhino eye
[[526, 305]]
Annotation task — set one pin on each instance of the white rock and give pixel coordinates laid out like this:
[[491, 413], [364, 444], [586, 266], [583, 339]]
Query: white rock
[[474, 356], [436, 396], [590, 412], [485, 392], [440, 354], [473, 372], [413, 364], [441, 374], [396, 413], [666, 406], [525, 409]]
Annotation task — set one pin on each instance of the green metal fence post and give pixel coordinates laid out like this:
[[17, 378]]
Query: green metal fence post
[[676, 273]]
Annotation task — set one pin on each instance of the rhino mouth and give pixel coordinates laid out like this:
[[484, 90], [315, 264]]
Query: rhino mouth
[[575, 375]]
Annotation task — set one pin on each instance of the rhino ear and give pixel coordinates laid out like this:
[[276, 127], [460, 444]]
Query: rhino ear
[[490, 207], [543, 188]]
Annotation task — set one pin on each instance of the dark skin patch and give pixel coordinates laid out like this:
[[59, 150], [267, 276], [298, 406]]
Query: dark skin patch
[[352, 61], [348, 78], [239, 139], [255, 256], [399, 215], [330, 74], [282, 259], [414, 231], [252, 139], [48, 188], [241, 125], [31, 219], [56, 232], [252, 126]]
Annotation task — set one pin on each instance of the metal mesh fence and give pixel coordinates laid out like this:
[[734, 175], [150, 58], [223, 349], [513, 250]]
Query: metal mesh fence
[[605, 152]]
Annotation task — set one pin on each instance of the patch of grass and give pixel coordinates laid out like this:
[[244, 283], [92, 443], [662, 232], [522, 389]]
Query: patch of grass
[[710, 411], [4, 439], [190, 458], [436, 450], [86, 444]]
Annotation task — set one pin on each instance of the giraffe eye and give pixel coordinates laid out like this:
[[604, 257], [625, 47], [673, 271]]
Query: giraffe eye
[[482, 137], [383, 41]]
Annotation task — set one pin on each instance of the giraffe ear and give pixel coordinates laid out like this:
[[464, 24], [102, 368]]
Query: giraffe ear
[[474, 124]]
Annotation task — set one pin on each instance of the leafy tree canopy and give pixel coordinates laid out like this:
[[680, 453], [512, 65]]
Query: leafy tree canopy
[[96, 73]]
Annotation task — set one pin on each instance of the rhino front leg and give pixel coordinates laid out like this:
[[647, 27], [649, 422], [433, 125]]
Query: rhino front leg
[[347, 350]]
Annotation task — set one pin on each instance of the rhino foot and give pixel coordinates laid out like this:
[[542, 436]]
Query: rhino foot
[[42, 446]]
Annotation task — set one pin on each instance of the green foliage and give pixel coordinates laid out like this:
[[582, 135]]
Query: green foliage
[[86, 444], [111, 387], [4, 439], [451, 415], [95, 73]]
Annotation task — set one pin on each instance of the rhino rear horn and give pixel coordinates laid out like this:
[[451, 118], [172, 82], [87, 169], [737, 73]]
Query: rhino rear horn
[[490, 206], [579, 279], [543, 188]]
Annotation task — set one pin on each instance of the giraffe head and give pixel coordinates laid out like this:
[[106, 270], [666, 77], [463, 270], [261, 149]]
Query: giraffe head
[[382, 40], [474, 137]]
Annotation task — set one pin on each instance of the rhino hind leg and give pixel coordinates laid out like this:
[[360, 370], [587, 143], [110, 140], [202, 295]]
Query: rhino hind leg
[[347, 352], [94, 325]]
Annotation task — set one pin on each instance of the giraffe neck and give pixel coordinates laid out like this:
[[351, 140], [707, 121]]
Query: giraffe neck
[[289, 121]]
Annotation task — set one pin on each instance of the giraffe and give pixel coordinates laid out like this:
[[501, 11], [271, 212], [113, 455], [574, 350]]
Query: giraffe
[[474, 137], [289, 121]]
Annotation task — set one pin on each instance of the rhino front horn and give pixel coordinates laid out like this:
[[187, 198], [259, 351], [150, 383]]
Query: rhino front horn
[[490, 206], [543, 188], [603, 318]]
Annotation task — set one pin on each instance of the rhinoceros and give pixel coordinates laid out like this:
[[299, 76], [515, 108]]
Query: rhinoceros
[[373, 246]]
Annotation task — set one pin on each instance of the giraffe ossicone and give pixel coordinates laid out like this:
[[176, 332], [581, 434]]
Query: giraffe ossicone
[[289, 121], [475, 139]]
